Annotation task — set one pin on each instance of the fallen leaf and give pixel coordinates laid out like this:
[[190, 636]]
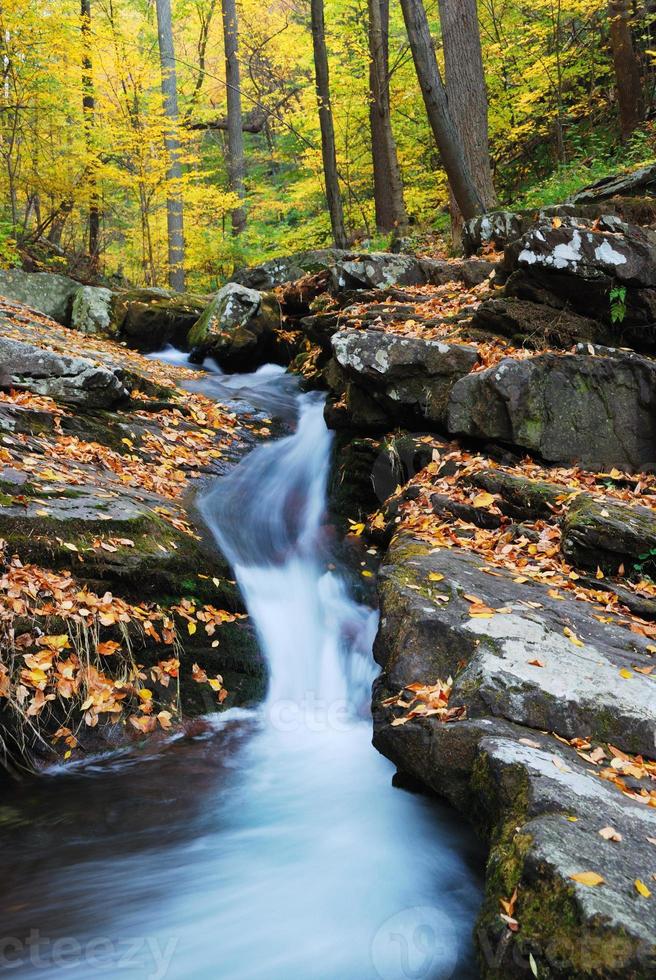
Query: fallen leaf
[[589, 878]]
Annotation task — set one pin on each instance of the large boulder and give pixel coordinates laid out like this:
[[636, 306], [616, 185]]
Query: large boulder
[[497, 228], [42, 291], [602, 531], [576, 263], [637, 182], [237, 328], [286, 269], [92, 311], [592, 410], [386, 378], [538, 325], [149, 319], [73, 380]]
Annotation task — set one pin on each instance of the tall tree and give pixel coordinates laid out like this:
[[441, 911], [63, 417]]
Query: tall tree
[[437, 108], [329, 153], [467, 94], [174, 205], [627, 70], [236, 165], [388, 187], [89, 109]]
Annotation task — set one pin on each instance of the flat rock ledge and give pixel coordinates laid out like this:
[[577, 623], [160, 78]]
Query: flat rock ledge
[[537, 674]]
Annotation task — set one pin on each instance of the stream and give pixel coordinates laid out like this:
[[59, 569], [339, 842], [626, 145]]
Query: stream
[[275, 847]]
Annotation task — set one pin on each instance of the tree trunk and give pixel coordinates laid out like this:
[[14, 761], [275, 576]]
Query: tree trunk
[[174, 207], [465, 86], [322, 78], [627, 71], [437, 108], [236, 166], [88, 110], [388, 187]]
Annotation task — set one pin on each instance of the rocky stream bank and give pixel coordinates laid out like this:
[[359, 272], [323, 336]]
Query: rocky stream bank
[[496, 424]]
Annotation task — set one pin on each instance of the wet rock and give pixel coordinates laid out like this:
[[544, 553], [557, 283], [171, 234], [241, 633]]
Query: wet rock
[[149, 319], [640, 182], [601, 531], [596, 411], [403, 379], [42, 291], [538, 325], [92, 311], [73, 380], [237, 328]]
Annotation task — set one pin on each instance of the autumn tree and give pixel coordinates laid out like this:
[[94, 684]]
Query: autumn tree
[[328, 149], [88, 109], [174, 205], [467, 94], [444, 130], [236, 164], [388, 187], [628, 82]]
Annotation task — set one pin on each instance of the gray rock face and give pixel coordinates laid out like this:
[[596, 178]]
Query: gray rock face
[[597, 411], [74, 380], [287, 269], [237, 328], [539, 805], [404, 377], [91, 312], [640, 182], [541, 326], [148, 319], [376, 271], [576, 265], [607, 533], [577, 692], [498, 228], [42, 291]]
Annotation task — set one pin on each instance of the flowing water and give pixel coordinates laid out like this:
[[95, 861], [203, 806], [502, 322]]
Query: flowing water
[[277, 848]]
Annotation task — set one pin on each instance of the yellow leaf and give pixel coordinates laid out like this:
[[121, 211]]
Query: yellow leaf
[[71, 547], [435, 577], [368, 574], [625, 673], [572, 637], [191, 627], [641, 888], [589, 878], [483, 500]]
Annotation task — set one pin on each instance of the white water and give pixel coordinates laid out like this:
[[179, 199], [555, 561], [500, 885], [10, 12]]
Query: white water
[[279, 849]]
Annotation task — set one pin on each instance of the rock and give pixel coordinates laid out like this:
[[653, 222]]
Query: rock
[[376, 271], [42, 291], [595, 411], [539, 806], [578, 692], [537, 325], [73, 380], [521, 498], [92, 311], [285, 269], [237, 328], [149, 319], [601, 531], [577, 265], [641, 182], [405, 378], [497, 228]]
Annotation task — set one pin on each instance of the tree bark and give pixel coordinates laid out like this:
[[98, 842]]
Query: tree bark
[[467, 94], [437, 108], [88, 111], [174, 205], [628, 83], [388, 187], [236, 165], [329, 153]]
